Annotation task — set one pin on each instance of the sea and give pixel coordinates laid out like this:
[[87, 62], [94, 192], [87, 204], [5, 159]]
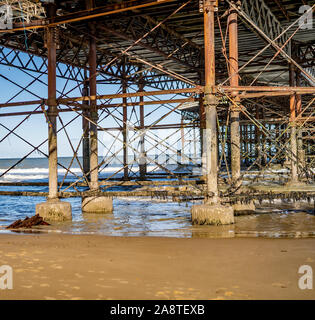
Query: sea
[[135, 216]]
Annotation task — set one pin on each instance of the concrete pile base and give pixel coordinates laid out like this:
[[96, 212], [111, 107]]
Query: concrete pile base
[[54, 210], [97, 205], [213, 214], [244, 208]]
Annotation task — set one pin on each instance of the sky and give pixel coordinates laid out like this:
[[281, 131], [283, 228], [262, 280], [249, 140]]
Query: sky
[[35, 128]]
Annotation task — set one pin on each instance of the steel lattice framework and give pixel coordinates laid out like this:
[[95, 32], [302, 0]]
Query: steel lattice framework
[[153, 54]]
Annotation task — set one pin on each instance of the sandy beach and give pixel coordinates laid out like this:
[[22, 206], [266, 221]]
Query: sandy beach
[[58, 266]]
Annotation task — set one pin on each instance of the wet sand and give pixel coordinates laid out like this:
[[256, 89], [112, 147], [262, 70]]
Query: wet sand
[[53, 266]]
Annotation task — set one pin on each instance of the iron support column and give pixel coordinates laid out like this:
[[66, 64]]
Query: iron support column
[[182, 138], [86, 133], [202, 126], [293, 142], [212, 211], [210, 103], [142, 160], [257, 137], [300, 149], [53, 209], [93, 112], [52, 107], [234, 82], [125, 127]]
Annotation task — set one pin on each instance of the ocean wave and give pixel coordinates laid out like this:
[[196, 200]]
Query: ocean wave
[[37, 170], [43, 173], [17, 177], [62, 170]]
